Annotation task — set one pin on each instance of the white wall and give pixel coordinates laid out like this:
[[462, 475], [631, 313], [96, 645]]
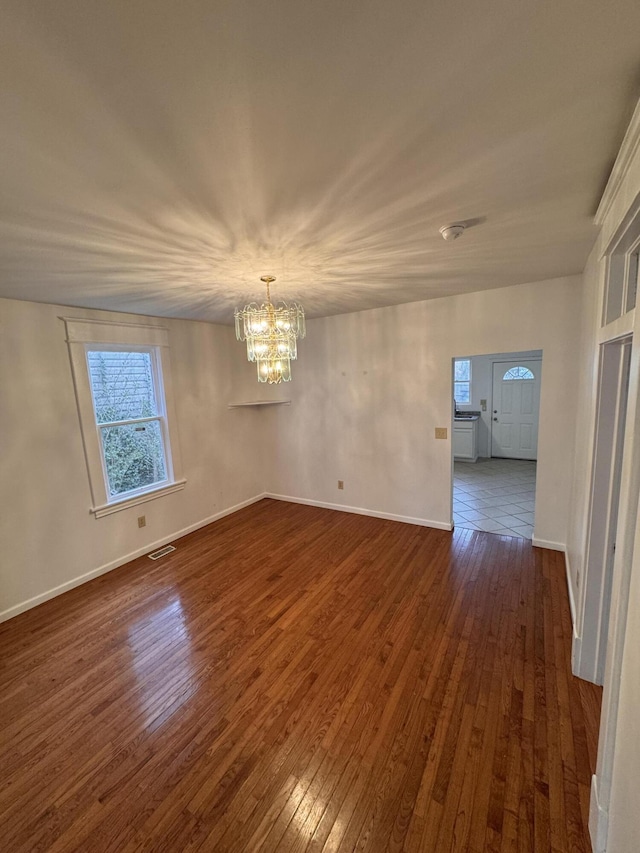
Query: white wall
[[482, 389], [370, 387], [48, 537]]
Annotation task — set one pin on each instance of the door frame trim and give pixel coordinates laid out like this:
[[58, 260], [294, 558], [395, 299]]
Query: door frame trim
[[613, 368]]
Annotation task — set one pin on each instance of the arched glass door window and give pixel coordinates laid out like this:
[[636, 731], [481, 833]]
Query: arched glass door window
[[518, 373]]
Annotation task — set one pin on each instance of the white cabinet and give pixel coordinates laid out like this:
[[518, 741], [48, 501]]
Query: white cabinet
[[465, 441]]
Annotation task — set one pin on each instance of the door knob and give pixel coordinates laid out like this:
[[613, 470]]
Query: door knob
[[495, 419]]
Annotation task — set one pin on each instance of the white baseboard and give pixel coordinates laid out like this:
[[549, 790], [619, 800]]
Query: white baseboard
[[572, 598], [576, 641], [598, 820], [545, 543], [120, 561], [357, 510], [576, 654]]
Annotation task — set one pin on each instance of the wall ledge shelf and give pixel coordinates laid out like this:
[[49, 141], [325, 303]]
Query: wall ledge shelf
[[259, 403]]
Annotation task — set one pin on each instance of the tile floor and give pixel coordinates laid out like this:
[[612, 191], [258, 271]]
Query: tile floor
[[495, 495]]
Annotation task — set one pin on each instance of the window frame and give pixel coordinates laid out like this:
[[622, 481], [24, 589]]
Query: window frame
[[161, 417], [622, 275], [84, 336], [459, 403]]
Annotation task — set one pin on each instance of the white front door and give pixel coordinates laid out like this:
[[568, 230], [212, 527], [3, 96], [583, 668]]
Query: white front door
[[514, 413]]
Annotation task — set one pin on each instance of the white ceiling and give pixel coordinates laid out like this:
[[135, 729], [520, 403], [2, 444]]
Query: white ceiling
[[158, 156]]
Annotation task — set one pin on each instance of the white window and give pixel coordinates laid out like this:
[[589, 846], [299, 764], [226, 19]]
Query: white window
[[132, 427], [122, 378], [462, 380], [622, 274]]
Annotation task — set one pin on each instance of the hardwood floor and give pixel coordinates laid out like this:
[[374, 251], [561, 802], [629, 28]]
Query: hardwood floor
[[297, 679]]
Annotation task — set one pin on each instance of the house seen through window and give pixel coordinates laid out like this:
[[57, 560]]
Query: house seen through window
[[127, 398]]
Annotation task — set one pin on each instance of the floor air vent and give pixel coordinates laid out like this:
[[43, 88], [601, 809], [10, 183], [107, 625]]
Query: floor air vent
[[161, 553]]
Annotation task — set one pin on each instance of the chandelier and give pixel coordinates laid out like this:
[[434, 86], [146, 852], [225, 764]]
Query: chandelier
[[271, 332]]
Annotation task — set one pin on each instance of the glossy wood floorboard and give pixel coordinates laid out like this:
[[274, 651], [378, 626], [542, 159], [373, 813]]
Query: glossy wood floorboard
[[300, 680]]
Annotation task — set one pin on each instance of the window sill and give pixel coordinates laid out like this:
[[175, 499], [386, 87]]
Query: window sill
[[125, 503]]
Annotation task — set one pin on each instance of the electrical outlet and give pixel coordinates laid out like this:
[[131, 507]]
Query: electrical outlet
[[441, 432], [341, 484], [142, 521]]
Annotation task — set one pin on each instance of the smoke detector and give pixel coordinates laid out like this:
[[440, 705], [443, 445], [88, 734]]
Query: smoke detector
[[451, 232]]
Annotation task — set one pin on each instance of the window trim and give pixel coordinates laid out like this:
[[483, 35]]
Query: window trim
[[84, 335]]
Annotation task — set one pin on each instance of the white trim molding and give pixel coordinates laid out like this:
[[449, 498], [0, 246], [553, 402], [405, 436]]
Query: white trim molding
[[598, 820], [81, 330], [572, 599], [576, 642], [546, 543], [357, 510], [628, 151], [152, 494], [120, 561], [82, 334]]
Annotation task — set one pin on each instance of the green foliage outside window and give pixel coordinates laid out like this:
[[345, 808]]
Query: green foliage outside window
[[123, 391]]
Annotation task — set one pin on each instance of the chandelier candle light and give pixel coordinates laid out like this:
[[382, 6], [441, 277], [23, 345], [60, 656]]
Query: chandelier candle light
[[271, 332]]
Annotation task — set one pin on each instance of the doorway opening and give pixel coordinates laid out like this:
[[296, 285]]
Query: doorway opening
[[611, 412], [496, 404]]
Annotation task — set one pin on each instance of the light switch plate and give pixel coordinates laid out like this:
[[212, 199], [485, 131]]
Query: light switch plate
[[441, 432]]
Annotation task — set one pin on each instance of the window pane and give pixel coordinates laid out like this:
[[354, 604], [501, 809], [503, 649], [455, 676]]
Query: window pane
[[518, 373], [461, 392], [122, 385], [134, 456], [462, 370], [632, 286]]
